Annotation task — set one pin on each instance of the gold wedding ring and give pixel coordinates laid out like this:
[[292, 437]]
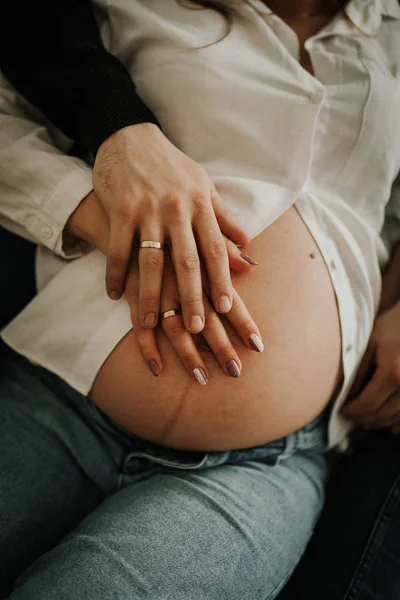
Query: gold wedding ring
[[171, 313], [151, 244]]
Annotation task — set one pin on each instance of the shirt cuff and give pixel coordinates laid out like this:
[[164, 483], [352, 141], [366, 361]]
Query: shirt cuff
[[49, 223]]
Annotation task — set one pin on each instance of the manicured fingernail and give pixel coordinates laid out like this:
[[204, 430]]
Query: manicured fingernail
[[200, 375], [233, 368], [248, 259], [256, 343], [150, 320], [196, 323], [154, 368], [114, 295], [224, 304]]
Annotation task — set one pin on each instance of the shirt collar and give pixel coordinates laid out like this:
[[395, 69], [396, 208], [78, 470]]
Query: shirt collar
[[366, 15]]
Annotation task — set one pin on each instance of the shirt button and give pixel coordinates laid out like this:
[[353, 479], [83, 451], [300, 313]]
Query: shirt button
[[47, 232], [349, 348], [316, 97], [332, 265]]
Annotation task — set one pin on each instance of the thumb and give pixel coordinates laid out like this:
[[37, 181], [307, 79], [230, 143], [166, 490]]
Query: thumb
[[227, 222], [365, 370]]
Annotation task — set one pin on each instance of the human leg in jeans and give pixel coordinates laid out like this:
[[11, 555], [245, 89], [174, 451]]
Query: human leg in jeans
[[174, 524], [44, 491], [354, 553]]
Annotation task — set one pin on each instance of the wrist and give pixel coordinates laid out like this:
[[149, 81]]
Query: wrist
[[138, 130], [89, 223]]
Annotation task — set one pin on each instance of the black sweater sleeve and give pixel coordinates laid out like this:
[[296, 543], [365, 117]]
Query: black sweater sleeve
[[51, 51]]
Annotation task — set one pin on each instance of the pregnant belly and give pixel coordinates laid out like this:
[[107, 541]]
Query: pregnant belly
[[291, 297]]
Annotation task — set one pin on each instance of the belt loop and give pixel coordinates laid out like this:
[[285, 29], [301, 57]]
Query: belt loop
[[290, 445]]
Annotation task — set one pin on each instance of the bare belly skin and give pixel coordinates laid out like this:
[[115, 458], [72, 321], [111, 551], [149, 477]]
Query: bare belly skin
[[291, 298]]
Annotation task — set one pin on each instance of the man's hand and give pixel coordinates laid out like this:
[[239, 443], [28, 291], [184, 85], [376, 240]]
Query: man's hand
[[377, 405], [150, 189]]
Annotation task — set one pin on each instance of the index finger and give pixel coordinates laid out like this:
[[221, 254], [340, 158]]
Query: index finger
[[365, 371]]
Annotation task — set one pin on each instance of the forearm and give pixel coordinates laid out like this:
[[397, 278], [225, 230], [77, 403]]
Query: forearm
[[66, 71]]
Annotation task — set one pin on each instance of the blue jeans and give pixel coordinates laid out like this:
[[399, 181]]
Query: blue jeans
[[88, 511], [354, 553]]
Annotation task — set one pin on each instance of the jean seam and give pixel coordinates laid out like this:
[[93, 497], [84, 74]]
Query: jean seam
[[374, 540]]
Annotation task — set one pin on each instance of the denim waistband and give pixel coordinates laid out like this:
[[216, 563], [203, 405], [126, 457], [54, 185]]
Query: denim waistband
[[140, 453], [313, 435]]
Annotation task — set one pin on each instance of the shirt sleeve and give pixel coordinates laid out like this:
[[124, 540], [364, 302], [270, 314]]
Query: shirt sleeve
[[40, 185], [53, 54]]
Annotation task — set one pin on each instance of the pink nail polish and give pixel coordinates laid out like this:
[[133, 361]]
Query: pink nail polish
[[154, 367], [256, 343], [200, 376], [248, 259], [233, 368]]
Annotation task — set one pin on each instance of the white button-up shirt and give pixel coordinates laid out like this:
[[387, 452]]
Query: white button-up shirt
[[268, 132]]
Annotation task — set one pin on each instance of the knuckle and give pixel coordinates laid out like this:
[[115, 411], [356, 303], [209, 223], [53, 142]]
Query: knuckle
[[148, 301], [189, 304], [153, 263], [190, 263], [173, 328], [147, 348], [174, 204], [118, 259], [124, 208], [211, 320], [200, 199], [217, 249]]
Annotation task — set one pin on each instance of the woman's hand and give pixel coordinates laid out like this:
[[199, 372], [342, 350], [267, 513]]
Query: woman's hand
[[214, 333], [150, 189], [375, 395]]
